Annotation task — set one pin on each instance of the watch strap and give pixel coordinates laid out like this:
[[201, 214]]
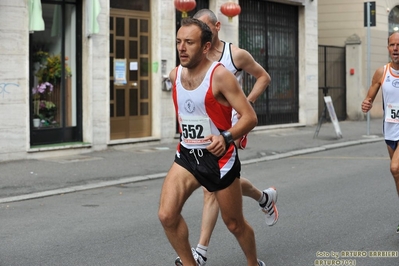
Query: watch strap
[[228, 137]]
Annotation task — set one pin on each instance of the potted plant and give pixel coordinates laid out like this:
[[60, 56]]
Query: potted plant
[[46, 95], [51, 69], [36, 121], [42, 109]]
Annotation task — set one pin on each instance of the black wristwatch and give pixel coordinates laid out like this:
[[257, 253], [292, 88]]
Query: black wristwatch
[[228, 138]]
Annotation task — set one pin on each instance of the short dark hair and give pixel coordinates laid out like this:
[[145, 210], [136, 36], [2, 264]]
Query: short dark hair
[[206, 12], [206, 33]]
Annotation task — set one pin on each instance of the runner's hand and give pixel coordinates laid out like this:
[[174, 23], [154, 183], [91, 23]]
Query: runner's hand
[[366, 105], [217, 146]]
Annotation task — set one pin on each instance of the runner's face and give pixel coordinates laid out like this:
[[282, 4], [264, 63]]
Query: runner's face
[[393, 47], [188, 43]]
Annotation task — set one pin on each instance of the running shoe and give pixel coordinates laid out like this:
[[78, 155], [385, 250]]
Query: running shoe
[[178, 262], [201, 261], [261, 263], [397, 230], [270, 208]]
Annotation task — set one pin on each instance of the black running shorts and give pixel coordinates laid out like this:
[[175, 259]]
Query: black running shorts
[[204, 166], [392, 144]]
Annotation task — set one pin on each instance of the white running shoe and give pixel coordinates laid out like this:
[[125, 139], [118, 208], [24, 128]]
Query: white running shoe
[[261, 263], [270, 208], [201, 261]]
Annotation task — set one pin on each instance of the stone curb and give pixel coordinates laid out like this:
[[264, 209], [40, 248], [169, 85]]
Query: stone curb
[[135, 179]]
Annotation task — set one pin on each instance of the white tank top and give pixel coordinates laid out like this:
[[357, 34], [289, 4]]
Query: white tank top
[[390, 97], [227, 60], [199, 113]]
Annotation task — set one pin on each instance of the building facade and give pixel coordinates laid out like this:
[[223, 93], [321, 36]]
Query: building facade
[[81, 75], [343, 24]]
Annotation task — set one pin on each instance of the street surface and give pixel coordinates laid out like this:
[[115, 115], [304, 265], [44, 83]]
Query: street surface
[[331, 203]]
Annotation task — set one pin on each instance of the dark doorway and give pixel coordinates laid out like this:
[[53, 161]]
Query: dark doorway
[[332, 79], [269, 31]]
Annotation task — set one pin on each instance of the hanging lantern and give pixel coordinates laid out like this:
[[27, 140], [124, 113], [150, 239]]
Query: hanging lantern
[[230, 10], [185, 6]]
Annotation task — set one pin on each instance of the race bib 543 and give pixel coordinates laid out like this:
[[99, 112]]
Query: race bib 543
[[392, 113]]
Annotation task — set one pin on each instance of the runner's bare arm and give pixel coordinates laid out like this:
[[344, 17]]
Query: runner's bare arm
[[228, 92], [367, 103], [245, 61], [172, 75]]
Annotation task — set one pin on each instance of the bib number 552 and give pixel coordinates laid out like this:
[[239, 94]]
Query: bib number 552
[[193, 131]]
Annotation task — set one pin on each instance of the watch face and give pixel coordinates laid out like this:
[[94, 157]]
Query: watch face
[[228, 138]]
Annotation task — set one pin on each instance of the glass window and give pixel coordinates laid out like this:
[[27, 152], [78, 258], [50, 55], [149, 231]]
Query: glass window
[[139, 5], [393, 20], [53, 73]]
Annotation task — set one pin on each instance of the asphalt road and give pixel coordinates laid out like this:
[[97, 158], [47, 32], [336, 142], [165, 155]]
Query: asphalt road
[[331, 203]]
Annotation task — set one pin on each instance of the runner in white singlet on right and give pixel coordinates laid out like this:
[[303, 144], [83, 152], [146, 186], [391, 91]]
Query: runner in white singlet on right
[[387, 78]]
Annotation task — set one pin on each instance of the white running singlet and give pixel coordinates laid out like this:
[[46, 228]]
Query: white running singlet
[[227, 60], [199, 113], [390, 97]]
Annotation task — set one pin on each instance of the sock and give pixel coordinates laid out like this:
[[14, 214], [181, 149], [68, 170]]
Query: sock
[[263, 199], [202, 250]]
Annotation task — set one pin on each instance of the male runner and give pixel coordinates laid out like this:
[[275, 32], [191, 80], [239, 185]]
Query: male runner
[[204, 93], [387, 78], [236, 60]]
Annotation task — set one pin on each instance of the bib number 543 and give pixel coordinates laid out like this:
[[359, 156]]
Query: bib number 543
[[394, 113]]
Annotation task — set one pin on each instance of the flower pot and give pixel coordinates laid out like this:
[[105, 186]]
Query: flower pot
[[36, 122]]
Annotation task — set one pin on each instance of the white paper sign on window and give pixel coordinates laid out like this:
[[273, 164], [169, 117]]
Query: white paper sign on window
[[133, 66], [120, 71]]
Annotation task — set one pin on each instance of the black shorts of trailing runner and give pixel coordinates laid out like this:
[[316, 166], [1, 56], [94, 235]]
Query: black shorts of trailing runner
[[210, 171], [391, 143]]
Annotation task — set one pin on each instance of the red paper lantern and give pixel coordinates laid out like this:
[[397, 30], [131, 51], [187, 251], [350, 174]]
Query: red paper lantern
[[230, 10], [185, 6]]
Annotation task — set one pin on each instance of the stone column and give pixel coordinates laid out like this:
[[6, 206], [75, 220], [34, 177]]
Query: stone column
[[354, 74]]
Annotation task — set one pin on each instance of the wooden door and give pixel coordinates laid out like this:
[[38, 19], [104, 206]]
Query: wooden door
[[130, 74]]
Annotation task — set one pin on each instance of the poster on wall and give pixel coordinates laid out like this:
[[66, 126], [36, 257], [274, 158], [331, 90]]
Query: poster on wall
[[120, 71]]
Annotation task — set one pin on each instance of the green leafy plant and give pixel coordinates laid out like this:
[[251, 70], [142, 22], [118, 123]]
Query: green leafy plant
[[51, 69], [49, 73]]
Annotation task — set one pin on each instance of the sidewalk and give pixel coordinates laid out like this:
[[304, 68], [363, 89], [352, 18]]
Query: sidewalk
[[28, 179]]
